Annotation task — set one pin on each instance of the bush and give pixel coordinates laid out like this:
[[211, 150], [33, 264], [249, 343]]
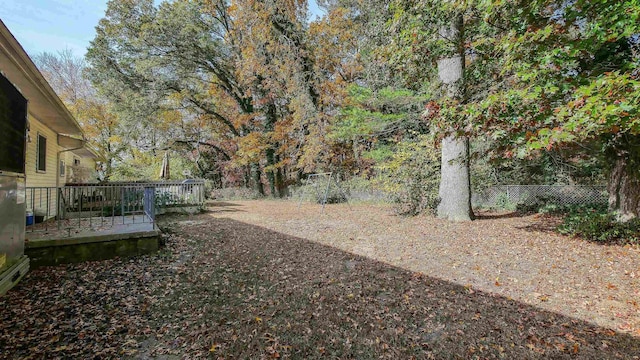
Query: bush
[[236, 193], [551, 208], [166, 198], [315, 190], [361, 189], [412, 176], [503, 202], [594, 223]]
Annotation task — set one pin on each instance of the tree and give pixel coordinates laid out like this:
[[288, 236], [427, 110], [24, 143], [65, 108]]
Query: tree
[[243, 65], [172, 69], [370, 108], [277, 66], [569, 80], [428, 34], [455, 180], [541, 76], [67, 75]]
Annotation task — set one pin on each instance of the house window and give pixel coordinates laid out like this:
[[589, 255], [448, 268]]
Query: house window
[[76, 162], [41, 159], [62, 168]]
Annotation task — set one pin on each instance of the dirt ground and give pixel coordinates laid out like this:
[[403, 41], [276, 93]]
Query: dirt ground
[[518, 257], [264, 279]]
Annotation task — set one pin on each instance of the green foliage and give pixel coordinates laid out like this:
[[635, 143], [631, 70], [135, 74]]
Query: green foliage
[[373, 121], [568, 75], [315, 189], [166, 198], [377, 113], [540, 76], [380, 153], [412, 175], [503, 202], [595, 223]]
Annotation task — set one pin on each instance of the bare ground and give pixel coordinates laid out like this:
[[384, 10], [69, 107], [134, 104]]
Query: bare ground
[[264, 279]]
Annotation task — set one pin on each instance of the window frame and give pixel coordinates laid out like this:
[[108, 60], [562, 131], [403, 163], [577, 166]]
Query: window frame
[[63, 168], [44, 168]]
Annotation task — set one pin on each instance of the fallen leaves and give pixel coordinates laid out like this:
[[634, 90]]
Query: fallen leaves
[[228, 289]]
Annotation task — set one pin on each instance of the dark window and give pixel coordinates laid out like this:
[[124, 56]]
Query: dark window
[[41, 161], [76, 162], [62, 169], [13, 127]]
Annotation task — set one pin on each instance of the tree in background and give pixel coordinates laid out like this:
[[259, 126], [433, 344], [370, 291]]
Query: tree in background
[[249, 90], [431, 40], [541, 76], [569, 80], [276, 64], [67, 75], [243, 65]]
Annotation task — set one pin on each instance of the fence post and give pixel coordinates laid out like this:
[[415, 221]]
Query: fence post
[[149, 202], [60, 214], [122, 192]]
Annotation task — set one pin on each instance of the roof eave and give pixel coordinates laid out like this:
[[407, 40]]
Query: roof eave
[[18, 67]]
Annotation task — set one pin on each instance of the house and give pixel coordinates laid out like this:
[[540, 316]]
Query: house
[[81, 166], [56, 152], [33, 151]]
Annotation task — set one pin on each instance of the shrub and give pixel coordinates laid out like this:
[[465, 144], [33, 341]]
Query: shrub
[[314, 191], [166, 198], [551, 208], [236, 193], [594, 223], [412, 176], [361, 189], [504, 202]]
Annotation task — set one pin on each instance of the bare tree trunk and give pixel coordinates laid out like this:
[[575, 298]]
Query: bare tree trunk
[[280, 183], [455, 181], [257, 178], [247, 176], [271, 176], [624, 190], [455, 193], [271, 118]]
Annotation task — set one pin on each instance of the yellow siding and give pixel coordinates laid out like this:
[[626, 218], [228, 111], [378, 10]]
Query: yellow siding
[[37, 200]]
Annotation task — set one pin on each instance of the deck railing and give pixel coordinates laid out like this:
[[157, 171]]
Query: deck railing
[[97, 206]]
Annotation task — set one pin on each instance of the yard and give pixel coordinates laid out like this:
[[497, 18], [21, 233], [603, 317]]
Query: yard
[[264, 279]]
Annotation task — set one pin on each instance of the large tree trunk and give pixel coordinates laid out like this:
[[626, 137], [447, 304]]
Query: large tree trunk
[[271, 176], [455, 184], [271, 118], [257, 178], [455, 193], [280, 183], [624, 190]]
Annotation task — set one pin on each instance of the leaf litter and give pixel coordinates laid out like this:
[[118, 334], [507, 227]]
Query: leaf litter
[[273, 281]]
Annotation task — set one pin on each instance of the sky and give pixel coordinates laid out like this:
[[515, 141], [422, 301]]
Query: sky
[[55, 25]]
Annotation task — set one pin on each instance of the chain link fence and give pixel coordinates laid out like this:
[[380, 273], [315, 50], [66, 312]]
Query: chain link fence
[[504, 195]]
